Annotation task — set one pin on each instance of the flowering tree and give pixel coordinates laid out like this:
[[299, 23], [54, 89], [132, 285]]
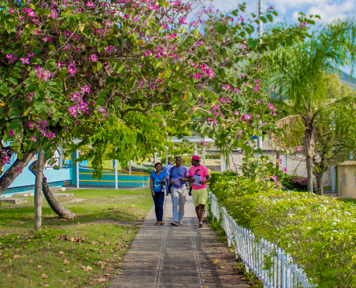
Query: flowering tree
[[113, 72]]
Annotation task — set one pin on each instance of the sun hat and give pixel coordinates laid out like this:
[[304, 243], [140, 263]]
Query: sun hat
[[157, 164], [196, 157]]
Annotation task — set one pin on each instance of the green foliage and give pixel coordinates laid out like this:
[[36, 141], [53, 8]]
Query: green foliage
[[319, 232]]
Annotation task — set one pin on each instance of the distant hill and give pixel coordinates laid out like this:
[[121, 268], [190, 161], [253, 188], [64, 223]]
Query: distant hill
[[346, 80]]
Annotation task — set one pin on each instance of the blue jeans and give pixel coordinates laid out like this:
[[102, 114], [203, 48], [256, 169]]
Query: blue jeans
[[158, 200]]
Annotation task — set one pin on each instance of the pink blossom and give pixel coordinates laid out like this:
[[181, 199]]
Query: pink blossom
[[90, 4], [19, 170], [237, 113], [246, 84], [25, 60], [173, 35], [197, 76], [257, 115], [33, 138], [85, 89], [184, 21], [94, 58], [236, 90], [257, 81], [285, 169], [11, 11], [51, 135], [302, 24], [11, 133]]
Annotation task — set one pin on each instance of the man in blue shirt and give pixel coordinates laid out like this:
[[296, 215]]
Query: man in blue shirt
[[167, 170], [179, 191]]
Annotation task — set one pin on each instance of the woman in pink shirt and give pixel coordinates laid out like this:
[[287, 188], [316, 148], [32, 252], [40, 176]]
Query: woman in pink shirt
[[199, 176]]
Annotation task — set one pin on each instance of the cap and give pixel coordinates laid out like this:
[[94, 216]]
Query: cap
[[196, 157], [157, 164]]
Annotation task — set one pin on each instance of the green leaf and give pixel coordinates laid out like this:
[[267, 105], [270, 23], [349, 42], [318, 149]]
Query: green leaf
[[196, 33], [72, 20], [13, 81], [94, 68], [252, 42], [99, 66], [269, 17], [275, 13], [39, 106], [263, 19], [168, 72], [15, 74]]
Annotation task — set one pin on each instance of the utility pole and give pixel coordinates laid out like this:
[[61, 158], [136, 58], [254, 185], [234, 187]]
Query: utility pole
[[259, 140], [259, 15]]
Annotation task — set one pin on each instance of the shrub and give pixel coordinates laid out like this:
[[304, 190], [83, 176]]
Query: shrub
[[297, 183], [319, 232]]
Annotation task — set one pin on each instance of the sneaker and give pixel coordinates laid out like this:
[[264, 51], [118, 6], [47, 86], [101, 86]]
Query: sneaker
[[161, 223], [157, 223], [200, 225], [180, 222], [174, 223]]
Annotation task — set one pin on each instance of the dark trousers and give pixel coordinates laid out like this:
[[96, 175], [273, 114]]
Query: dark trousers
[[158, 199]]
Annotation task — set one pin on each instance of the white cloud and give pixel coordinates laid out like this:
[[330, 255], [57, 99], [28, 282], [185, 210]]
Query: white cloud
[[329, 12]]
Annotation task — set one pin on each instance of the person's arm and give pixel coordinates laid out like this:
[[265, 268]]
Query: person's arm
[[206, 176], [151, 186]]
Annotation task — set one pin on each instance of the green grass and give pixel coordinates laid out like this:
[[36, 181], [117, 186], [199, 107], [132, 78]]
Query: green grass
[[84, 252]]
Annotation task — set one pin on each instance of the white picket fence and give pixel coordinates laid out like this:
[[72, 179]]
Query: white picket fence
[[255, 253]]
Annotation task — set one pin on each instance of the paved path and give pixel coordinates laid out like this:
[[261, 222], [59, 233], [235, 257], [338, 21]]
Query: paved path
[[167, 256]]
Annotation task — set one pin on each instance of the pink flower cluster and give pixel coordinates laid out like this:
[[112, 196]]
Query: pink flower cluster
[[273, 109], [5, 159], [40, 125], [43, 74], [11, 58], [102, 110], [80, 107]]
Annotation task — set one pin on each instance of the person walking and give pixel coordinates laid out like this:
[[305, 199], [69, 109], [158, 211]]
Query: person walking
[[157, 180], [178, 174], [167, 170], [198, 175]]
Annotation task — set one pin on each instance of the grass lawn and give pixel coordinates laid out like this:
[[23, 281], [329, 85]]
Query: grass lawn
[[84, 252]]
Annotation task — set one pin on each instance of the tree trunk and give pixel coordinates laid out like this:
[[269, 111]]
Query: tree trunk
[[52, 202], [309, 147], [11, 174], [319, 184], [38, 190]]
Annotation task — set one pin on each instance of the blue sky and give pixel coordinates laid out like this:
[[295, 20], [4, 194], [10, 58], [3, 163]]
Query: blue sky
[[289, 9]]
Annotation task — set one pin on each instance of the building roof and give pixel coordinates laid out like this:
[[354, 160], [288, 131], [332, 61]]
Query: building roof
[[347, 163]]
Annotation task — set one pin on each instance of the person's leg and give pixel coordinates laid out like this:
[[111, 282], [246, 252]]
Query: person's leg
[[155, 200], [203, 197], [195, 197], [197, 211], [175, 201], [160, 206], [182, 199], [201, 212]]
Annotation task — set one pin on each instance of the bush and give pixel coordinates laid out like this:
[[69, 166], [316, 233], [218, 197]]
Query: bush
[[319, 232], [297, 183], [219, 176]]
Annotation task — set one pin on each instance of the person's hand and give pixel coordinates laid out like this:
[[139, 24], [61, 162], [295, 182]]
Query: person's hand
[[153, 193], [163, 182], [171, 181], [182, 180], [202, 182]]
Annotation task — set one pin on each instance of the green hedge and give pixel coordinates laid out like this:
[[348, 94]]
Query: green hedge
[[319, 232]]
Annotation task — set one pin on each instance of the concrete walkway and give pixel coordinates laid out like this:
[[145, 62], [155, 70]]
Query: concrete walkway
[[168, 256]]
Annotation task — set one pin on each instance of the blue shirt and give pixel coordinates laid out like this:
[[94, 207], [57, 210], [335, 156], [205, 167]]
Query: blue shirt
[[176, 173], [157, 187], [167, 170]]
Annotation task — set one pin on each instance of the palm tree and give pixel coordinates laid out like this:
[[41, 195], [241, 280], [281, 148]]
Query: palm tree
[[298, 75]]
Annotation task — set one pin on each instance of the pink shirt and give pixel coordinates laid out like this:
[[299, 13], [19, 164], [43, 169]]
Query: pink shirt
[[203, 172]]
